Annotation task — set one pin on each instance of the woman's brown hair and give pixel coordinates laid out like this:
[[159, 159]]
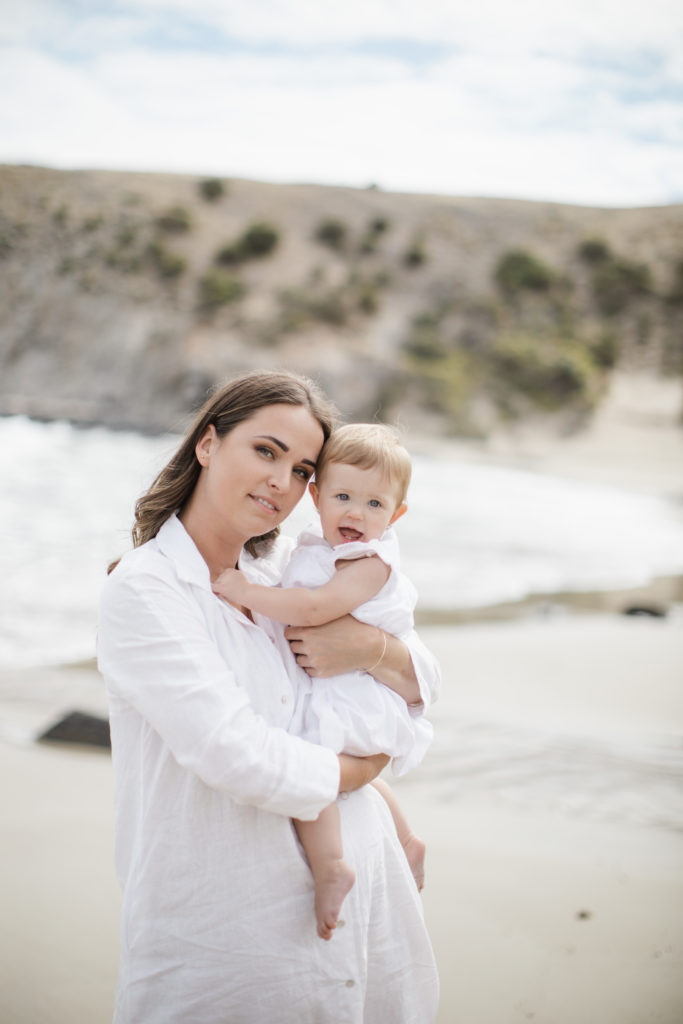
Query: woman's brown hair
[[233, 403]]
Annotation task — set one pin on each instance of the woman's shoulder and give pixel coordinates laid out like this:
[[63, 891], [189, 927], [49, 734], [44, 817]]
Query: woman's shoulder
[[136, 568]]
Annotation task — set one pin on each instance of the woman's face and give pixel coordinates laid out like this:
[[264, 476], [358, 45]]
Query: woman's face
[[253, 476]]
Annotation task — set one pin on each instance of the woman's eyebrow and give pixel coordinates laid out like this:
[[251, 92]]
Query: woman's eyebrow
[[284, 447]]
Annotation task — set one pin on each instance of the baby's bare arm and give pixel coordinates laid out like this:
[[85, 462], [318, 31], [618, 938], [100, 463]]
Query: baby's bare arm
[[354, 582]]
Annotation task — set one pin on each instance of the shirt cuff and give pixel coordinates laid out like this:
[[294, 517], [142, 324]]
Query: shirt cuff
[[318, 773]]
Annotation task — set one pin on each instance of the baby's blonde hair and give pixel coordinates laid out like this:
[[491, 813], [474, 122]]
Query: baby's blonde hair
[[368, 446]]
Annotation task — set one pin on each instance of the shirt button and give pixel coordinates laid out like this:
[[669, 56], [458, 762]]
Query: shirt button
[[344, 796], [350, 983], [283, 698], [340, 924]]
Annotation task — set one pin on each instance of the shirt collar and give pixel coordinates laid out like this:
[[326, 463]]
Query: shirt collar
[[175, 542]]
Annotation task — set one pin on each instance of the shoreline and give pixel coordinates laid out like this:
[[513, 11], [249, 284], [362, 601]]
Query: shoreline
[[658, 598]]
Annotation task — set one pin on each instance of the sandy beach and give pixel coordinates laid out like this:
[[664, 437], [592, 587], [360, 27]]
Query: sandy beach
[[547, 898]]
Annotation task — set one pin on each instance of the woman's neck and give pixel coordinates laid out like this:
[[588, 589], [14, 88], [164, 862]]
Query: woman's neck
[[218, 550]]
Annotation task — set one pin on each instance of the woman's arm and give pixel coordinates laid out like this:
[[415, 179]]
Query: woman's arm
[[353, 583], [347, 645], [157, 656], [358, 771]]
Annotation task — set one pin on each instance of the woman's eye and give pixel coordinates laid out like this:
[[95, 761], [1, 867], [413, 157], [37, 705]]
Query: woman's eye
[[304, 474], [263, 449]]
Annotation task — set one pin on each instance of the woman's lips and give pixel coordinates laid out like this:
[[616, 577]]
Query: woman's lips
[[265, 503]]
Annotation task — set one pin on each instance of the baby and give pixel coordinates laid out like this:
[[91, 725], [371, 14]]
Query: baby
[[359, 490]]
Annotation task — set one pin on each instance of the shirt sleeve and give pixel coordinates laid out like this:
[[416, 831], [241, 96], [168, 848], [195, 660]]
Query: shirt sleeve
[[427, 671], [156, 654]]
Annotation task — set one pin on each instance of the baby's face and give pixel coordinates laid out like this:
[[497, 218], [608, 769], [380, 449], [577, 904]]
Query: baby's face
[[354, 504]]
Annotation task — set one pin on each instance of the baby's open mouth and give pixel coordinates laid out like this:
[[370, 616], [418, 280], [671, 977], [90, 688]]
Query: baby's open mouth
[[348, 533]]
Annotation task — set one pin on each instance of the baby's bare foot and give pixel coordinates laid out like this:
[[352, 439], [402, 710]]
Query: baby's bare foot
[[415, 851], [331, 886]]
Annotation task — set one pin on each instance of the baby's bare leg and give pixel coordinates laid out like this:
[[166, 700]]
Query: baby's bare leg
[[332, 876], [413, 846]]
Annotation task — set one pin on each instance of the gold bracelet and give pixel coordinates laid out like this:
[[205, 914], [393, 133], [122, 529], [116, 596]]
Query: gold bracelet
[[384, 651]]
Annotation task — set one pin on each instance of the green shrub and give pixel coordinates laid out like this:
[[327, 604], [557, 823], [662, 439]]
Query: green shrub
[[415, 255], [300, 308], [216, 288], [61, 215], [367, 298], [446, 387], [331, 308], [67, 265], [594, 250], [549, 372], [168, 264], [211, 189], [331, 232], [604, 350], [258, 240], [519, 270], [176, 220], [675, 293], [126, 235], [228, 255], [425, 343], [378, 225], [6, 244], [617, 281], [124, 260], [367, 246], [92, 223]]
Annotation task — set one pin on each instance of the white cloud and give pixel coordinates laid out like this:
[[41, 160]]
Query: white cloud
[[578, 104]]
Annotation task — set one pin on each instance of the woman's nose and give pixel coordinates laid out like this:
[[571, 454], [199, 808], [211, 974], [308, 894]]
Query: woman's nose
[[279, 479]]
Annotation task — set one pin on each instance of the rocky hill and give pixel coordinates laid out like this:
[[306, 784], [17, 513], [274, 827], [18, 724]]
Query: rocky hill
[[124, 297]]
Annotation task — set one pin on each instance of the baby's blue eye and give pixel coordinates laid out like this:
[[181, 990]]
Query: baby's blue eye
[[343, 497], [374, 503]]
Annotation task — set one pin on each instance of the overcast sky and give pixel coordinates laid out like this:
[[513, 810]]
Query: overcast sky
[[580, 102]]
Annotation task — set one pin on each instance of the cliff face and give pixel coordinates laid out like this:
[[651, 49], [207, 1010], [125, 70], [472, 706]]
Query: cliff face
[[124, 297]]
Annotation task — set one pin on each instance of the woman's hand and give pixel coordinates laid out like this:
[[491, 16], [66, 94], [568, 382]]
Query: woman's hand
[[333, 648], [347, 645], [355, 772]]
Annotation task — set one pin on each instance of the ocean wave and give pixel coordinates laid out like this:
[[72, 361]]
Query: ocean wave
[[475, 535]]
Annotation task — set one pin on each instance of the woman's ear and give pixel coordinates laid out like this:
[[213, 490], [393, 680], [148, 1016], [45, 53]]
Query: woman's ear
[[204, 445], [400, 511], [314, 493]]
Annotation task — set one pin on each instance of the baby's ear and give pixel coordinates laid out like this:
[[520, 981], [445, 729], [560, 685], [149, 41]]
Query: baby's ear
[[314, 492], [400, 511]]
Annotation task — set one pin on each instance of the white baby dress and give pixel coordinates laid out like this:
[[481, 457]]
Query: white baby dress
[[352, 712]]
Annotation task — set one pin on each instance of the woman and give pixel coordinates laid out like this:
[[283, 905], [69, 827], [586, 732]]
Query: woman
[[217, 922]]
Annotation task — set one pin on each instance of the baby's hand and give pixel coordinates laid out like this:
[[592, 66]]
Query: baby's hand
[[231, 585]]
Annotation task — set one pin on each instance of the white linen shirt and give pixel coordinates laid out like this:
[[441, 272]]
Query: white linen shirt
[[217, 923]]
